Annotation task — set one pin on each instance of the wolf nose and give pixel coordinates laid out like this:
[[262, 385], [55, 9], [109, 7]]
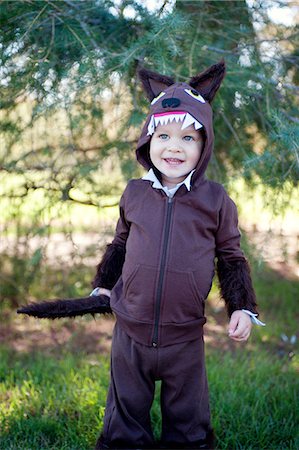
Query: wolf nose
[[171, 102]]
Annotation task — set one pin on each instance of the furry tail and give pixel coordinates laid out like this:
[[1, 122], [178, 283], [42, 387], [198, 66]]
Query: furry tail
[[69, 307]]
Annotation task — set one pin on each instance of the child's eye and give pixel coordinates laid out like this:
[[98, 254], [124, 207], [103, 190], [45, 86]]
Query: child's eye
[[188, 138], [163, 136]]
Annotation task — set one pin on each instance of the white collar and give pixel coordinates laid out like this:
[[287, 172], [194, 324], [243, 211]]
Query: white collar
[[150, 176]]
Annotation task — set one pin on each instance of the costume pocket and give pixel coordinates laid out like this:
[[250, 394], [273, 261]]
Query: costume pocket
[[181, 300], [139, 292]]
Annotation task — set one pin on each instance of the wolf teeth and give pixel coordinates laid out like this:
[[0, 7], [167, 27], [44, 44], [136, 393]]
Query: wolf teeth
[[189, 120], [168, 118], [151, 127], [164, 119]]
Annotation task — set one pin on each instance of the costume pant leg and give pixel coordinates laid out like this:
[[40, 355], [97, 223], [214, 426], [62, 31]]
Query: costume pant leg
[[184, 397], [127, 415]]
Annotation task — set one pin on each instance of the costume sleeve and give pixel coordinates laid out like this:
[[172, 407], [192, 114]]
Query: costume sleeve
[[232, 267], [110, 267], [228, 234]]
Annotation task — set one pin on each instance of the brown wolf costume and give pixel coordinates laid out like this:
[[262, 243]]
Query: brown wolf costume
[[159, 268]]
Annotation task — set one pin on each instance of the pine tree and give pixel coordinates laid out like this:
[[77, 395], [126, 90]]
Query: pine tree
[[70, 100]]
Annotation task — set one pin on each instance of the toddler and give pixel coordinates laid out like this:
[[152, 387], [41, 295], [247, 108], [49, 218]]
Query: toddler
[[159, 268]]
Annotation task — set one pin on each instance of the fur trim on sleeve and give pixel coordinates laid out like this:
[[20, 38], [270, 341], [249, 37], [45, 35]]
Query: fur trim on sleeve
[[236, 285], [110, 267]]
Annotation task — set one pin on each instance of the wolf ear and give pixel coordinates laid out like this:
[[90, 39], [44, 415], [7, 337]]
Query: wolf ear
[[153, 83], [208, 82]]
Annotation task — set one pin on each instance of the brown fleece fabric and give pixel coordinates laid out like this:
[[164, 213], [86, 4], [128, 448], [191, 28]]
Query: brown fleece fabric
[[184, 395]]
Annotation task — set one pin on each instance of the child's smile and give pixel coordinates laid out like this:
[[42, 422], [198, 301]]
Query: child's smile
[[175, 152], [174, 161]]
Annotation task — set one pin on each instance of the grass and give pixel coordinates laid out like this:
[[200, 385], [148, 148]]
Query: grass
[[51, 402], [57, 402], [254, 400]]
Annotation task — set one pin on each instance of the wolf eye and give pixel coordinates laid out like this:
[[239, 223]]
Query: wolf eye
[[193, 93], [157, 98]]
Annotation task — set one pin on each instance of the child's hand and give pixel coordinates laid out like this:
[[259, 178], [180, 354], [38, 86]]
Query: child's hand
[[239, 327]]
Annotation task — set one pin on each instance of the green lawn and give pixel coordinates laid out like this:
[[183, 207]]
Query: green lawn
[[57, 402]]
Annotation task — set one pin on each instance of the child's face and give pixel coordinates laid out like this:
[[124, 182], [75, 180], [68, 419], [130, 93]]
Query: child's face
[[175, 152]]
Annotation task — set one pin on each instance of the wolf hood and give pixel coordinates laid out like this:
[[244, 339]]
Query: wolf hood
[[188, 103], [170, 243]]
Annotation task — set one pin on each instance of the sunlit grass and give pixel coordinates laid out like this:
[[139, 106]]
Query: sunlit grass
[[253, 400], [58, 402], [49, 402]]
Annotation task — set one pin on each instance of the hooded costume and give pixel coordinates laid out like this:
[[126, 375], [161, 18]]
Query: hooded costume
[[167, 247], [159, 268]]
